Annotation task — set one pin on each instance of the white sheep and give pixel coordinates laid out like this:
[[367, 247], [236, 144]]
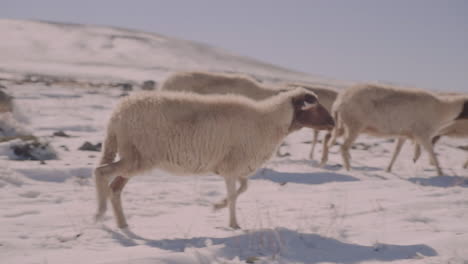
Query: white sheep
[[223, 83], [457, 129], [187, 133], [386, 111]]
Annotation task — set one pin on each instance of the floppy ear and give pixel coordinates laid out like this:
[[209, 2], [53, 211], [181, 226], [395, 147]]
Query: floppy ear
[[464, 112]]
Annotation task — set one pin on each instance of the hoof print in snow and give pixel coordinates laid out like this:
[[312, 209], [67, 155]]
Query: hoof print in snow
[[61, 133], [87, 146]]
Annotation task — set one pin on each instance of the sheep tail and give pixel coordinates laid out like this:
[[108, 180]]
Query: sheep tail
[[102, 180], [109, 149]]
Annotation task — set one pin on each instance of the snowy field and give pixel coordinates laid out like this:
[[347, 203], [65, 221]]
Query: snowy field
[[293, 212]]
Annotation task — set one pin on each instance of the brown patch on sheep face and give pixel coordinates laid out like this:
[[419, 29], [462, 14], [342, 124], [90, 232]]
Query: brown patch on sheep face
[[308, 112], [464, 113]]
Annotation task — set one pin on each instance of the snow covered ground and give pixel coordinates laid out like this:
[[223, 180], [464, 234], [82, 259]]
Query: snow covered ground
[[293, 212]]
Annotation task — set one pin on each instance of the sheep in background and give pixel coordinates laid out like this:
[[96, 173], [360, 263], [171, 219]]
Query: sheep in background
[[386, 111], [187, 133], [457, 129], [217, 83]]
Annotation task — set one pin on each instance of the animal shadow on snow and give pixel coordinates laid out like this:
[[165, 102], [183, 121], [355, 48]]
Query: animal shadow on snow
[[301, 177], [441, 181], [289, 244]]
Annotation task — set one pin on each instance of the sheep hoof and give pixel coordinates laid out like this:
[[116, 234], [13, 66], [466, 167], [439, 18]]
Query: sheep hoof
[[220, 205], [98, 217], [123, 226], [234, 226]]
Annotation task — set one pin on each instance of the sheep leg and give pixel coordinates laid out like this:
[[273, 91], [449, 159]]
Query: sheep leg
[[465, 165], [224, 202], [434, 141], [417, 152], [232, 197], [427, 145], [314, 142], [325, 149], [350, 137], [116, 187], [102, 175], [396, 152]]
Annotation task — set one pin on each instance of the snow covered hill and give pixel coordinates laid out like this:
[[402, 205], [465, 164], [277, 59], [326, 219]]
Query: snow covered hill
[[293, 212], [106, 52]]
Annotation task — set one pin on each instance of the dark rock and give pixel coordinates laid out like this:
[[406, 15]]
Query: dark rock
[[126, 87], [149, 85], [87, 146], [65, 148], [33, 150], [61, 134]]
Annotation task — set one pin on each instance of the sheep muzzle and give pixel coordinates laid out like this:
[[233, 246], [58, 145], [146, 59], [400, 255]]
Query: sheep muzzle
[[315, 116]]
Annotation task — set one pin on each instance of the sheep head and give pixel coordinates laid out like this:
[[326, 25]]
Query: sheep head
[[308, 112]]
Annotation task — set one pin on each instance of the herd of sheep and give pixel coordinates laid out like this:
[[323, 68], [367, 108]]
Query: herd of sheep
[[229, 125]]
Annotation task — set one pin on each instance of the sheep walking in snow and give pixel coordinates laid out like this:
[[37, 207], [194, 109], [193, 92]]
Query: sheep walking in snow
[[218, 83], [187, 133], [458, 129], [387, 111]]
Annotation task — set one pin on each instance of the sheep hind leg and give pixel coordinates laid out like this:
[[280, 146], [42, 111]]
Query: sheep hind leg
[[314, 143], [350, 137], [116, 187], [396, 152], [224, 202], [427, 145], [102, 175]]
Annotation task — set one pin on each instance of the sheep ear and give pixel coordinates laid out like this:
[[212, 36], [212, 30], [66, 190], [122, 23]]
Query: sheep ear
[[464, 113], [305, 101]]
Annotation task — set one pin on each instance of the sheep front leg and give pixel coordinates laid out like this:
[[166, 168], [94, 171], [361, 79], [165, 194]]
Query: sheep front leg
[[232, 198], [314, 142], [348, 141], [224, 202], [417, 152], [396, 152], [465, 165]]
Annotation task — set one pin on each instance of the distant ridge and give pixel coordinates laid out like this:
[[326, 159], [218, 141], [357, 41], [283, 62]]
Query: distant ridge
[[88, 51]]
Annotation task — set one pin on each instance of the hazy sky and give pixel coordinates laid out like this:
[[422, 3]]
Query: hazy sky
[[421, 43]]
